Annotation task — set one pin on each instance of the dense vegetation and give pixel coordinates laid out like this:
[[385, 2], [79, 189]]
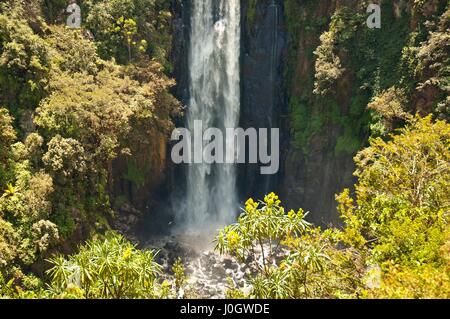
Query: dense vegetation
[[70, 106], [395, 240], [74, 101], [402, 67]]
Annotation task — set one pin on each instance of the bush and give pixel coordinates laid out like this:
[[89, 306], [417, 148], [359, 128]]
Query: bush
[[287, 257], [108, 269], [401, 213]]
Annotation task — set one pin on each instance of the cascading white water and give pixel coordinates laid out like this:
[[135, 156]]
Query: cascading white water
[[214, 76]]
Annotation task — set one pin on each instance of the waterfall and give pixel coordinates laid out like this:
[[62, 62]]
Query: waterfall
[[214, 87]]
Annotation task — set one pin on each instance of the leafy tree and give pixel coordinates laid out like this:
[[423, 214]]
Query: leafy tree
[[87, 112], [117, 24], [128, 29], [288, 258], [65, 157], [434, 62], [328, 64], [180, 276], [257, 227], [422, 282], [389, 105], [7, 137], [25, 213], [402, 178], [400, 217], [24, 60], [8, 242], [73, 51]]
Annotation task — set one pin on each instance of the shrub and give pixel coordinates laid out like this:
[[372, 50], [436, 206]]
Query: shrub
[[107, 269]]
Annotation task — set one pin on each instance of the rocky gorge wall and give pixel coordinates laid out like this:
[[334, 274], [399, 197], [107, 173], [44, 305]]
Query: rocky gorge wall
[[337, 66], [312, 171], [277, 66], [320, 131], [269, 51], [264, 53]]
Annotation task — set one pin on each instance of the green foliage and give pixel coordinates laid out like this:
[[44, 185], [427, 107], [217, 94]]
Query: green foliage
[[7, 133], [256, 226], [321, 105], [98, 110], [53, 10], [434, 59], [347, 144], [64, 157], [108, 269], [99, 92], [328, 64], [390, 106], [125, 28], [32, 288], [304, 124], [73, 51], [395, 243], [407, 56], [424, 281], [134, 174], [88, 109], [86, 113], [288, 257], [180, 275], [234, 292], [412, 170], [25, 213], [402, 204], [7, 137], [24, 62]]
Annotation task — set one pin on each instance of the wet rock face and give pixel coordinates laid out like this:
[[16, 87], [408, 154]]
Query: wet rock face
[[181, 28], [127, 221], [311, 179], [263, 56]]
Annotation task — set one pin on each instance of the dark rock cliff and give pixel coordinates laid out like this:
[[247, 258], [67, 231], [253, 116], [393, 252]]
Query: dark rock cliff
[[308, 182], [311, 179], [320, 134], [277, 64], [264, 44]]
